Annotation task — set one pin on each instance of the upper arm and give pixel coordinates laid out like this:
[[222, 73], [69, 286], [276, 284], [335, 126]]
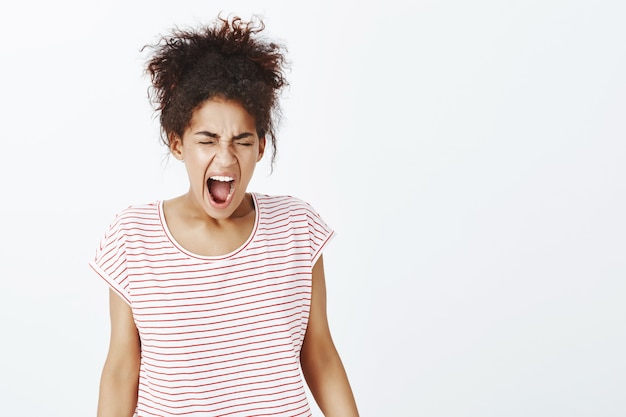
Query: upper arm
[[120, 376], [318, 339], [124, 345], [321, 364]]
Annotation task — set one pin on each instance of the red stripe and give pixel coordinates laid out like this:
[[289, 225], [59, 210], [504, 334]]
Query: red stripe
[[220, 334]]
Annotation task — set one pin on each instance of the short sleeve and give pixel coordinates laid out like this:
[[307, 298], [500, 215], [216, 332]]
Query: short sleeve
[[110, 260], [320, 233]]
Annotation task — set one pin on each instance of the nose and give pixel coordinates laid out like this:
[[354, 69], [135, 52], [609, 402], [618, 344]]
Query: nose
[[224, 154]]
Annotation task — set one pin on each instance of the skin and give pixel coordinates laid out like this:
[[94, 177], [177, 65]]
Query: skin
[[221, 139], [321, 365], [120, 376]]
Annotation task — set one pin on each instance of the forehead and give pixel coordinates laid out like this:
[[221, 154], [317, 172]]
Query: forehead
[[221, 114]]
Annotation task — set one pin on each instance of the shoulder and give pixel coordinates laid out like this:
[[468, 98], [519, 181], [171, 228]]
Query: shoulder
[[304, 223], [127, 224], [137, 214], [274, 206], [288, 202]]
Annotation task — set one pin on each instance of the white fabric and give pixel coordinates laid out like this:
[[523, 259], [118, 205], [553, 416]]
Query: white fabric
[[221, 335]]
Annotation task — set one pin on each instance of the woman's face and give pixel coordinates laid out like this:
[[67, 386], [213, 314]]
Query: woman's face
[[220, 149]]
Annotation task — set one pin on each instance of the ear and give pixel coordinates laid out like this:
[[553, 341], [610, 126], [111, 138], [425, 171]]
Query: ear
[[176, 146], [262, 142]]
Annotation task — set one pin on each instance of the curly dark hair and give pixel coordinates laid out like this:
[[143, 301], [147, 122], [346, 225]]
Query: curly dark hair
[[226, 59]]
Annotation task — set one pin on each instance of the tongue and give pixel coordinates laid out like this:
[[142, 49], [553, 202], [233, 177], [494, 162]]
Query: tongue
[[219, 190]]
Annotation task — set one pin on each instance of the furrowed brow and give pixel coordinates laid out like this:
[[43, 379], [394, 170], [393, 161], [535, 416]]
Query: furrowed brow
[[243, 135], [207, 134], [212, 135]]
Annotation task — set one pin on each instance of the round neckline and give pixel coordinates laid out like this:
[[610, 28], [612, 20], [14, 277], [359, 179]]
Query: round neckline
[[186, 252]]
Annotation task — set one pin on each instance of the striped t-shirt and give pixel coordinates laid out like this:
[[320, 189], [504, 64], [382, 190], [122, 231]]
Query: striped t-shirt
[[220, 335]]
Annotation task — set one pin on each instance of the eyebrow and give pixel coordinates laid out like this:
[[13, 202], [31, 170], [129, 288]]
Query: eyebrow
[[216, 136]]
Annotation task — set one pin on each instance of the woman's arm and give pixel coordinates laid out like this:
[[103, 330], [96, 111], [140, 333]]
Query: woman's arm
[[321, 364], [120, 375]]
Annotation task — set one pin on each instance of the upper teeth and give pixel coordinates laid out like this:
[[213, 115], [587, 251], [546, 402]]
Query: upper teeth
[[221, 178]]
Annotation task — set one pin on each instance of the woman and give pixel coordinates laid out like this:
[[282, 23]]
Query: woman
[[217, 297]]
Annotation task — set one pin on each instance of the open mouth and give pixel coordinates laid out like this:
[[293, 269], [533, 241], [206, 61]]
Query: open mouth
[[220, 188]]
